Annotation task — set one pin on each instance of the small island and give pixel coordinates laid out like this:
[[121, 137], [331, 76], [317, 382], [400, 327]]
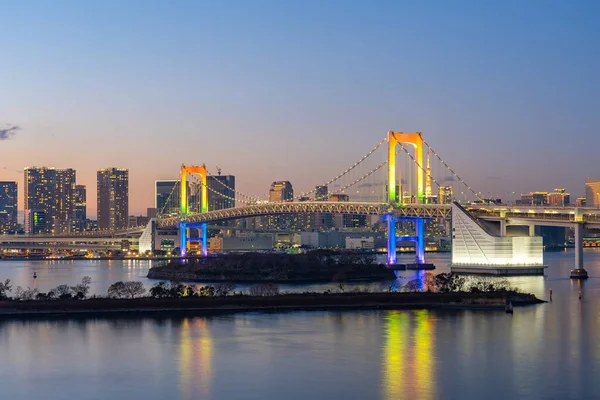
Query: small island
[[313, 266], [131, 298]]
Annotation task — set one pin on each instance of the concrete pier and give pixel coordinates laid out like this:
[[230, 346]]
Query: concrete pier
[[579, 272]]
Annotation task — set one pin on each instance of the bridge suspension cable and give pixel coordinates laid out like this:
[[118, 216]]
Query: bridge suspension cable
[[452, 171], [173, 202], [356, 164], [362, 178], [210, 189], [250, 197]]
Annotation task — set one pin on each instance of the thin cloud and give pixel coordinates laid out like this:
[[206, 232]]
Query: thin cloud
[[8, 131]]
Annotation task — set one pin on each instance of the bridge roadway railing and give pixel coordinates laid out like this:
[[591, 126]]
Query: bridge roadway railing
[[363, 208], [566, 214]]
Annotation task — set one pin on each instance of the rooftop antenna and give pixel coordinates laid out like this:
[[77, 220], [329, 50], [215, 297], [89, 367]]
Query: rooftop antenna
[[219, 171]]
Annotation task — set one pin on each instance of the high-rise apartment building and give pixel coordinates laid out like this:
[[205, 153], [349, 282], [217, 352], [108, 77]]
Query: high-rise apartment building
[[592, 192], [113, 198], [8, 207], [40, 193], [64, 199], [162, 191], [224, 185], [281, 191], [80, 196]]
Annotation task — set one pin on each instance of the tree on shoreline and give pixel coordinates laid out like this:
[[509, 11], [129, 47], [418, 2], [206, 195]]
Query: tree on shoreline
[[129, 289], [5, 289]]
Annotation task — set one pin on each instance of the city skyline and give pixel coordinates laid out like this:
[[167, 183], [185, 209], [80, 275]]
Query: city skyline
[[509, 197], [498, 78]]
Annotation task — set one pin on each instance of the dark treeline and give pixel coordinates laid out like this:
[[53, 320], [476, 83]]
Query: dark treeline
[[317, 265]]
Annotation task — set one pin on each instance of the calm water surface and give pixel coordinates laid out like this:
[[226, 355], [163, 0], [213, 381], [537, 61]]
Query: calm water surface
[[550, 351]]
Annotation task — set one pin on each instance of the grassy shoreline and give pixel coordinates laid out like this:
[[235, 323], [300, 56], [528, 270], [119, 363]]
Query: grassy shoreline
[[198, 306]]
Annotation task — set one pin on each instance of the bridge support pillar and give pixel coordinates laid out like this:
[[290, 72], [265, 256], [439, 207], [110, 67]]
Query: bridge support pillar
[[579, 272], [420, 245], [391, 238], [182, 239], [204, 230]]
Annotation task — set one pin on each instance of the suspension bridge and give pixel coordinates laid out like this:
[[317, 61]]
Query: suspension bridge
[[397, 185], [402, 191], [396, 181]]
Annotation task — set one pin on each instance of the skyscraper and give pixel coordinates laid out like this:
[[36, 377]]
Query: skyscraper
[[64, 198], [162, 191], [40, 193], [113, 198], [224, 185], [322, 221], [8, 207], [281, 191], [80, 202]]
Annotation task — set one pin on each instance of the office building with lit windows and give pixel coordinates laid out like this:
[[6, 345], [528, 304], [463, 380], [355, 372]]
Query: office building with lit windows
[[64, 199], [559, 198], [445, 195], [113, 198], [321, 193], [80, 202], [281, 191]]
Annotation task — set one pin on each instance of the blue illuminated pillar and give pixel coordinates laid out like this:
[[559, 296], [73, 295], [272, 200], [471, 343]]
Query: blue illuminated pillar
[[420, 245], [182, 239], [391, 232], [204, 240]]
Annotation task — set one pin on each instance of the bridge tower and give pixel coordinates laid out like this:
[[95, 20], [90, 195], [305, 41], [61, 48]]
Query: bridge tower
[[416, 140], [183, 224]]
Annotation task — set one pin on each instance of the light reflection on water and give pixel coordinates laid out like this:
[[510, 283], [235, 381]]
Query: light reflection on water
[[545, 351], [195, 358], [409, 355]]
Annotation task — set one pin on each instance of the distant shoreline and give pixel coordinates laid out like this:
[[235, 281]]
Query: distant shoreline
[[199, 306], [162, 258]]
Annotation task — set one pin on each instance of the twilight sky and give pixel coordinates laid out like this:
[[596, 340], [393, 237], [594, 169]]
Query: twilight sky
[[505, 91]]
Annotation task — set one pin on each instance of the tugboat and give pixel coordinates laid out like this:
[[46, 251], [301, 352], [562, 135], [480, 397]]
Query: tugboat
[[579, 274]]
